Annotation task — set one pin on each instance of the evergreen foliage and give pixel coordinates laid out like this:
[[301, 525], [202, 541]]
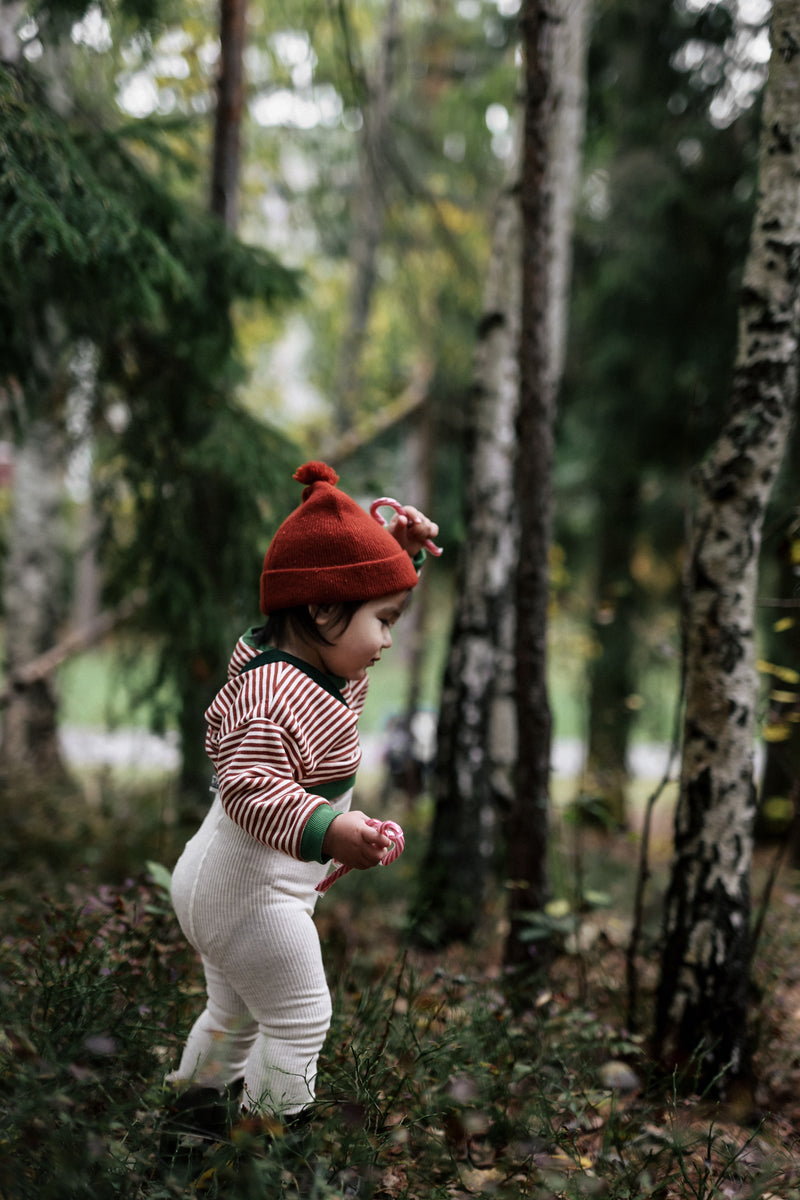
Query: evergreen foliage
[[73, 204], [94, 241], [56, 17], [88, 229]]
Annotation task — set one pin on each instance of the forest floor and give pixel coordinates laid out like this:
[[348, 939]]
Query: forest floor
[[438, 1080]]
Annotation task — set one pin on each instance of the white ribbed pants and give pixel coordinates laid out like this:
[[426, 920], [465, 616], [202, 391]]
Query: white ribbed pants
[[247, 910]]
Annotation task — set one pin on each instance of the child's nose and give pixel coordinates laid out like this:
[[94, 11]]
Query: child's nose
[[387, 638]]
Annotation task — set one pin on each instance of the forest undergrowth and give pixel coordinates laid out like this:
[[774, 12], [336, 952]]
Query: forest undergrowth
[[440, 1080]]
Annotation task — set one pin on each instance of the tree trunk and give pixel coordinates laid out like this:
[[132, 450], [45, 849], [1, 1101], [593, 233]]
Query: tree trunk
[[229, 111], [34, 573], [11, 12], [34, 594], [206, 672], [467, 777], [570, 45], [204, 675], [554, 43], [369, 208], [527, 850], [407, 769], [701, 1013], [611, 672], [477, 735]]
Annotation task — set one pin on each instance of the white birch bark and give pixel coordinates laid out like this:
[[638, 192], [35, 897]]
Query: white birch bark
[[479, 665], [477, 737], [11, 14], [702, 1002], [33, 601]]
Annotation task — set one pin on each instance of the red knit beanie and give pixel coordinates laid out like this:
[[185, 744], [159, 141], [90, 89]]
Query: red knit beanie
[[329, 550]]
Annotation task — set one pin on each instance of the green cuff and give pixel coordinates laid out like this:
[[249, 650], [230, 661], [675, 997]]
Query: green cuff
[[419, 559], [314, 834]]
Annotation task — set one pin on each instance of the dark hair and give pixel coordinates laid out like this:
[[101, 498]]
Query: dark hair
[[299, 621]]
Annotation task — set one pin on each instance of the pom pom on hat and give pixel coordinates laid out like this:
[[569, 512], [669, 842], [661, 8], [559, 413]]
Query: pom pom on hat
[[314, 472], [330, 550]]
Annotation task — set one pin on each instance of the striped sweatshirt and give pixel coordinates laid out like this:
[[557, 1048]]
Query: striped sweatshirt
[[283, 739]]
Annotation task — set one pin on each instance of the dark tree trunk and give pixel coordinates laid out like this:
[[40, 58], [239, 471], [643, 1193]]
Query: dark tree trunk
[[225, 165], [206, 672], [408, 768], [528, 821], [611, 670]]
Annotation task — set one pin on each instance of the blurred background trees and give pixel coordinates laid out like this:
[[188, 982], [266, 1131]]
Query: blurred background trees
[[350, 291], [668, 192]]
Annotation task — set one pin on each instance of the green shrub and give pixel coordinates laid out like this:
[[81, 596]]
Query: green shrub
[[435, 1083]]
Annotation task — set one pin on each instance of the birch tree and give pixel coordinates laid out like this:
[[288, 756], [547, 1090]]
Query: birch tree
[[701, 1014], [478, 728], [475, 739]]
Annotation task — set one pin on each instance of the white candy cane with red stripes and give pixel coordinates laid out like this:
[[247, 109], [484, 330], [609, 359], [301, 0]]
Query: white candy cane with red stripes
[[388, 502], [389, 829]]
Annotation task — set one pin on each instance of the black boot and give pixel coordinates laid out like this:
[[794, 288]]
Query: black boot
[[197, 1117]]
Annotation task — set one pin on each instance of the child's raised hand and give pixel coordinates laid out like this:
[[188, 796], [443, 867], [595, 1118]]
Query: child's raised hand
[[412, 529], [353, 842]]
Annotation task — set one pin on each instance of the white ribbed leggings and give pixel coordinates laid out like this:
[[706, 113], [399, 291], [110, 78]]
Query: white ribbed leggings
[[247, 910]]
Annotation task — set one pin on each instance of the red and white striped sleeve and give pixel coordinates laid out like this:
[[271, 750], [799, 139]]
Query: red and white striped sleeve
[[271, 731]]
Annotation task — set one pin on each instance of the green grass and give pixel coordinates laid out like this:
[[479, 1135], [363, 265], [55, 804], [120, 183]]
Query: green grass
[[109, 686]]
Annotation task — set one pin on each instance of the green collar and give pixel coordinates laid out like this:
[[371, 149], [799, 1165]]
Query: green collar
[[331, 683]]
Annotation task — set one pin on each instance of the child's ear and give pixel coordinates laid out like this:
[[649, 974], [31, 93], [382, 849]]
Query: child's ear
[[320, 613]]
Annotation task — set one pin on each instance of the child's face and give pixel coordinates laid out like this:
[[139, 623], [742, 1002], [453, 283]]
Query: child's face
[[360, 645]]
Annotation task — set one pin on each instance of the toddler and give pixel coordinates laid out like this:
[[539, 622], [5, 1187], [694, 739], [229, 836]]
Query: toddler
[[282, 736]]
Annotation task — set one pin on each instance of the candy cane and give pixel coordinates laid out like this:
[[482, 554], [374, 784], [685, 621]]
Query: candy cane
[[388, 502], [389, 829]]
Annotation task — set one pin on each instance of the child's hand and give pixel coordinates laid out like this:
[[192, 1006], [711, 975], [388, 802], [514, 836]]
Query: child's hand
[[354, 843], [412, 529]]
